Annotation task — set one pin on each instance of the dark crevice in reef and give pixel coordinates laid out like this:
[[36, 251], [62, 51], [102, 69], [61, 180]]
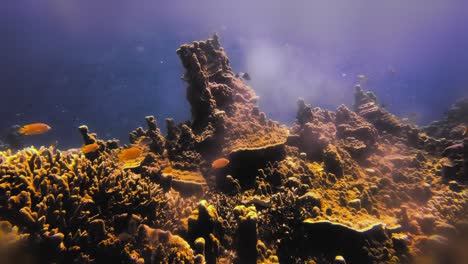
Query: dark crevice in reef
[[246, 163], [354, 185], [327, 240]]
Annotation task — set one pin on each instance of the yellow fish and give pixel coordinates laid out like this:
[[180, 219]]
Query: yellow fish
[[130, 154], [34, 129], [466, 131], [219, 163], [90, 148]]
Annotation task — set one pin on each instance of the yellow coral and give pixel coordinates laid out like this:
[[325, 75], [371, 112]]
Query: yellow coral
[[245, 213]]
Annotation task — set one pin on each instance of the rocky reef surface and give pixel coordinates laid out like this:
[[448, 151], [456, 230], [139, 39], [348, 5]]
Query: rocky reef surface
[[453, 125], [345, 186]]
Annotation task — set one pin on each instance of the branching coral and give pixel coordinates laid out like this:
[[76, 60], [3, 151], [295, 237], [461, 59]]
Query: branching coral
[[59, 198]]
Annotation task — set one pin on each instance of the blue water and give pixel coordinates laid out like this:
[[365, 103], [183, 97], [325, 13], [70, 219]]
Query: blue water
[[109, 64]]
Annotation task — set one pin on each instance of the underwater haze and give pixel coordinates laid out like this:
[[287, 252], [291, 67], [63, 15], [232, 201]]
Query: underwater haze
[[108, 64]]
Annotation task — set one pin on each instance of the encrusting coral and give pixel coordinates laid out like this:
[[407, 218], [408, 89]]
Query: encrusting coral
[[344, 186]]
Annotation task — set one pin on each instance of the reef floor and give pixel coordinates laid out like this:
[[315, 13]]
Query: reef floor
[[354, 185]]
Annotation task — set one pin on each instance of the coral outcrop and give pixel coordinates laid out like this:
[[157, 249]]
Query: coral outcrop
[[358, 136], [365, 104], [313, 131], [453, 125], [225, 118], [153, 133], [203, 227]]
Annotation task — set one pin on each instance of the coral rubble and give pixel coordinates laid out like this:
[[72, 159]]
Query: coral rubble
[[344, 186]]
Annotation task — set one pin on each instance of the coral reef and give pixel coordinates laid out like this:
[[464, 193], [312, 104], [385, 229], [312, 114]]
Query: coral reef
[[225, 118], [365, 104], [359, 137], [344, 186], [67, 204], [454, 123]]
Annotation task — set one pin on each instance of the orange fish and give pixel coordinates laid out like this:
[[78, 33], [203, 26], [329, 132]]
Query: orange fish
[[89, 148], [130, 154], [34, 129], [220, 163], [167, 170]]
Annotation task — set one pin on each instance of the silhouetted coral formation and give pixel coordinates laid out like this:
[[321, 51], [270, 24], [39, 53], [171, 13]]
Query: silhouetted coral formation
[[224, 113], [453, 125]]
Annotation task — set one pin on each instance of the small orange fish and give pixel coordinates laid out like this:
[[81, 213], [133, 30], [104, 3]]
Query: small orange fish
[[130, 153], [219, 163], [167, 170], [466, 131], [34, 129], [90, 148]]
